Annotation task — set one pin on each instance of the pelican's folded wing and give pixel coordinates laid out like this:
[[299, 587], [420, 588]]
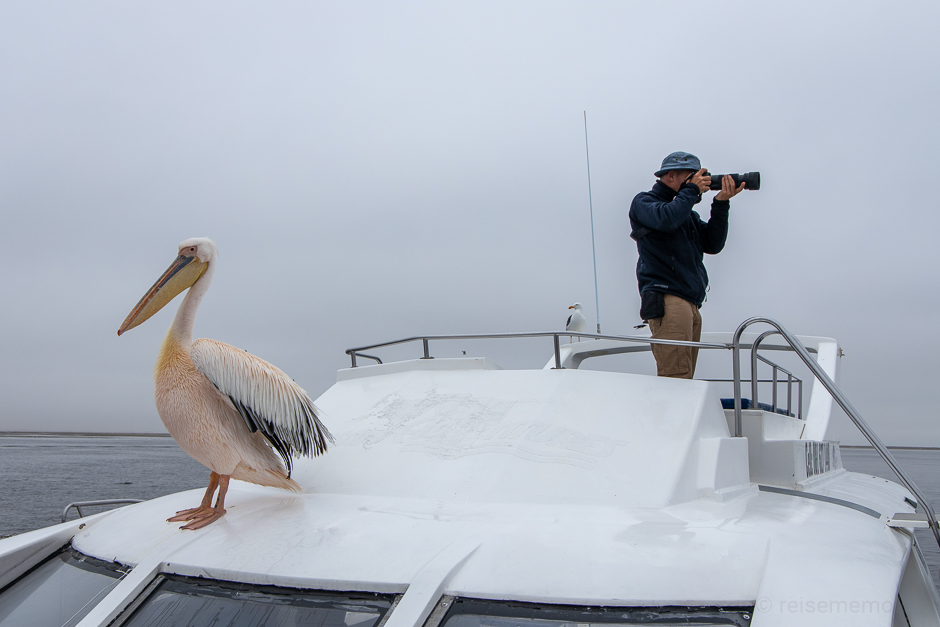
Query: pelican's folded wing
[[267, 399]]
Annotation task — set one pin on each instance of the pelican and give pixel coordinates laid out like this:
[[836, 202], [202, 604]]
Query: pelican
[[576, 321], [226, 408]]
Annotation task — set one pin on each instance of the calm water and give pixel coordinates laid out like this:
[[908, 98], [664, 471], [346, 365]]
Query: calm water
[[42, 474]]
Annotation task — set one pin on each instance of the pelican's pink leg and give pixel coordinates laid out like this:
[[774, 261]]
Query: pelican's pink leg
[[206, 505], [213, 514]]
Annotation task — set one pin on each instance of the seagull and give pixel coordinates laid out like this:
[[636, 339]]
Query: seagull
[[576, 321], [234, 413]]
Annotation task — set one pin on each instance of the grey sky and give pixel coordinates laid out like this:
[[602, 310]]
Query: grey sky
[[372, 171]]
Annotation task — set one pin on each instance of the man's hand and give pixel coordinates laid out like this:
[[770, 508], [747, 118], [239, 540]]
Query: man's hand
[[728, 190], [702, 180]]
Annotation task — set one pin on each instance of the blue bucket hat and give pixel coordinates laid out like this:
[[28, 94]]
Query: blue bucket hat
[[679, 161]]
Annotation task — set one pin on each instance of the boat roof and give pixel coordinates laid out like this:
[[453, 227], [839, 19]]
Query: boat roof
[[554, 486], [566, 486]]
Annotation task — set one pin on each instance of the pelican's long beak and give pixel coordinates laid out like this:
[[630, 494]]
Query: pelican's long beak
[[181, 274]]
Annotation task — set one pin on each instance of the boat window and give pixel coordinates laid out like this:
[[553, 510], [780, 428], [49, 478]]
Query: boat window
[[478, 613], [189, 602], [60, 591]]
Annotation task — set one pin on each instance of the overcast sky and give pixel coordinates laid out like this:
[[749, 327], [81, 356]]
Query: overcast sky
[[373, 171]]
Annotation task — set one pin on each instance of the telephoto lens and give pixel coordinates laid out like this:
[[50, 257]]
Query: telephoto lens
[[751, 180]]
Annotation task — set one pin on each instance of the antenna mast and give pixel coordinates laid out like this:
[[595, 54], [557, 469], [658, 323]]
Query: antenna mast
[[587, 152]]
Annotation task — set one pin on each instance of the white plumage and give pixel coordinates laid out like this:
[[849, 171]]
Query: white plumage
[[267, 399], [223, 406], [576, 321]]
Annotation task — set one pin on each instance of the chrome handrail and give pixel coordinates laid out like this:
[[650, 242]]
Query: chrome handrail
[[555, 335], [754, 346], [794, 344], [373, 357], [839, 397], [78, 505], [790, 376], [790, 379]]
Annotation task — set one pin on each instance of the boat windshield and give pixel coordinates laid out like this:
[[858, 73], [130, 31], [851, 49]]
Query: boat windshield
[[61, 591], [475, 613], [179, 601]]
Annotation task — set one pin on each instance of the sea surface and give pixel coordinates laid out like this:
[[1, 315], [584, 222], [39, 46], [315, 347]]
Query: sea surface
[[41, 474]]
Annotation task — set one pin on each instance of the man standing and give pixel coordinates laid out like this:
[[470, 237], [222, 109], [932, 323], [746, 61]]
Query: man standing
[[672, 240]]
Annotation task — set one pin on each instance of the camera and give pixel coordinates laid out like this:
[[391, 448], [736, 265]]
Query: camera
[[751, 180]]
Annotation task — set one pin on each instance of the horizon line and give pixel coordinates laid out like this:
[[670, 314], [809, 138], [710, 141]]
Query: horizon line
[[167, 435], [83, 434]]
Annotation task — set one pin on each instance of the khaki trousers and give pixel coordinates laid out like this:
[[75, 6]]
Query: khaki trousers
[[682, 321]]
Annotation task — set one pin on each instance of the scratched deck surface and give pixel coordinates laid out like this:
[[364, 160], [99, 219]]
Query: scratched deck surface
[[41, 474]]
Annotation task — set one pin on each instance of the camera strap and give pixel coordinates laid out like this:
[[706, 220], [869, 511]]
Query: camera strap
[[640, 233]]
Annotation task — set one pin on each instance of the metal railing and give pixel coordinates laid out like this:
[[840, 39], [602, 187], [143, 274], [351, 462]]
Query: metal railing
[[791, 378], [78, 505], [839, 397], [735, 346], [556, 342], [788, 410], [776, 368]]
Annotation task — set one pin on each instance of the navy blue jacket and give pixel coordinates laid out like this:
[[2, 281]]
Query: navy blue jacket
[[672, 240]]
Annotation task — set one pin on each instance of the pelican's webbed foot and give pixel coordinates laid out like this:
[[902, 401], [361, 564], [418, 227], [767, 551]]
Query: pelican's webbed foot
[[205, 514], [190, 514], [201, 521]]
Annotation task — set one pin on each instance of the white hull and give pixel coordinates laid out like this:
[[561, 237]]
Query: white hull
[[457, 479]]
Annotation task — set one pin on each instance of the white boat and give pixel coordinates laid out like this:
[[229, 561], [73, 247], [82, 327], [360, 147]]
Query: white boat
[[461, 494]]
